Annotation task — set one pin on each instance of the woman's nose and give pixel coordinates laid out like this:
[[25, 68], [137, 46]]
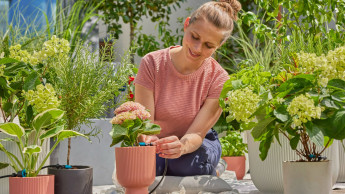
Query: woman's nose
[[197, 47]]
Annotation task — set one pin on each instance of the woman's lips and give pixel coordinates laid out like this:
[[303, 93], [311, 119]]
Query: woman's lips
[[193, 54]]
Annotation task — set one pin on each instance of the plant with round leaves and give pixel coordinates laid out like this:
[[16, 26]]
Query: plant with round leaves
[[45, 125], [130, 122]]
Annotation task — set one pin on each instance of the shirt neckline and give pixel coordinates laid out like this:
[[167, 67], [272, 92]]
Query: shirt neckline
[[177, 73]]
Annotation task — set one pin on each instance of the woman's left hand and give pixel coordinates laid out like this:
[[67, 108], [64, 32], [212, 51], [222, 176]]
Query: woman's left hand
[[169, 147]]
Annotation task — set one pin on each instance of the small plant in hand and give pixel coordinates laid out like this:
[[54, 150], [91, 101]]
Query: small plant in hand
[[131, 120], [232, 144]]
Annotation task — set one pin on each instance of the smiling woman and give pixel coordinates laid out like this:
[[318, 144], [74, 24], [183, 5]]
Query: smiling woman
[[181, 85]]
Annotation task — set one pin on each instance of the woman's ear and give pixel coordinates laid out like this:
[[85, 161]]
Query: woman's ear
[[186, 23]]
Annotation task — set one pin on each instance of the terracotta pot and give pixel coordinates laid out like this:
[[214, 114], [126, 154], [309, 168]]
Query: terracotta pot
[[136, 168], [307, 177], [42, 184], [237, 164]]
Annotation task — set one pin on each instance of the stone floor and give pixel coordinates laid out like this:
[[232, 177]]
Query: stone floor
[[244, 186]]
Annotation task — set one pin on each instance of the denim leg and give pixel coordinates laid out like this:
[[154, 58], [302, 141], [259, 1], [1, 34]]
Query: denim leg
[[200, 162]]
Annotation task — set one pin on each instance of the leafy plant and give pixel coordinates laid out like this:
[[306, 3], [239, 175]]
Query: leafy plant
[[306, 104], [44, 126], [232, 145], [131, 12], [131, 120], [88, 85]]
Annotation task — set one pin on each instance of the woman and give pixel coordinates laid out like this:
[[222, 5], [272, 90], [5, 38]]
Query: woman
[[181, 85]]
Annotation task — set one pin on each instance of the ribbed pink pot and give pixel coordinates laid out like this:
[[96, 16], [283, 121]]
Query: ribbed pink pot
[[42, 184], [136, 168], [237, 164]]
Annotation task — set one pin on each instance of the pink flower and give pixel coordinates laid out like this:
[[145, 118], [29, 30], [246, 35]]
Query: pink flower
[[120, 118], [128, 107], [142, 114]]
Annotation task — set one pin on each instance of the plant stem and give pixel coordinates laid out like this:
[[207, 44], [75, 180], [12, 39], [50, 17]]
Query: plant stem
[[46, 158], [69, 150]]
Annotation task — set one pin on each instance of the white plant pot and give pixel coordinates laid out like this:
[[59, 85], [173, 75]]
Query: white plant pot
[[11, 147], [341, 177], [267, 175], [307, 177]]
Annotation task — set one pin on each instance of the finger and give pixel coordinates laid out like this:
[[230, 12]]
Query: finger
[[167, 140], [142, 138], [170, 146], [172, 151], [169, 156]]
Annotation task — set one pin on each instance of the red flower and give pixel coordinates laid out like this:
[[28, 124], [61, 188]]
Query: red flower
[[130, 80], [131, 96]]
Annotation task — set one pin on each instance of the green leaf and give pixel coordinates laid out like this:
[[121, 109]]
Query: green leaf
[[265, 145], [315, 133], [70, 133], [3, 165], [260, 128], [31, 81], [337, 84], [337, 128], [151, 129], [32, 149], [294, 142], [7, 60], [51, 133], [281, 114], [118, 133], [47, 118], [14, 68], [338, 96], [12, 129]]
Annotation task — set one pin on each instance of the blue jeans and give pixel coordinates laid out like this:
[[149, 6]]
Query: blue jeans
[[200, 162]]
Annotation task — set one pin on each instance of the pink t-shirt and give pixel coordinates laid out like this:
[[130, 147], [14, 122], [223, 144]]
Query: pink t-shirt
[[178, 98]]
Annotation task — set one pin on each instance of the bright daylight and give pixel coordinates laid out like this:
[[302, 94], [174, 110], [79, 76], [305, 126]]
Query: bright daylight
[[172, 96]]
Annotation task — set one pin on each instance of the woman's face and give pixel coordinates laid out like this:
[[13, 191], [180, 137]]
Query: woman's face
[[201, 39]]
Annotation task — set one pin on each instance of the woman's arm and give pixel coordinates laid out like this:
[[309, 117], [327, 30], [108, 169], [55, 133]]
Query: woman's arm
[[172, 147], [145, 97]]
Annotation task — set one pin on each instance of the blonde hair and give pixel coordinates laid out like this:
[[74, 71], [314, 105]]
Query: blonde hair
[[221, 14]]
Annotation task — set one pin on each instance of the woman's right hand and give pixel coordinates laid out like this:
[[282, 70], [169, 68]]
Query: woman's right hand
[[148, 138]]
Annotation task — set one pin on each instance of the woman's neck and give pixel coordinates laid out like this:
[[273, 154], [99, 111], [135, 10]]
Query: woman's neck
[[180, 63]]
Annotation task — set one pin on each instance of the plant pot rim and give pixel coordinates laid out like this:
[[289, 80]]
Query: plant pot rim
[[135, 147], [78, 167], [33, 177], [233, 156], [294, 161]]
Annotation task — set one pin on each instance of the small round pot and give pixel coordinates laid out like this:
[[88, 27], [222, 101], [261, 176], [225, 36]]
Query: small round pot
[[136, 168], [42, 184], [237, 164], [79, 180], [307, 177]]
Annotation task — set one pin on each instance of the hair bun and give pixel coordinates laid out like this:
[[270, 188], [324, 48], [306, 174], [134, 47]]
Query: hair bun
[[232, 7]]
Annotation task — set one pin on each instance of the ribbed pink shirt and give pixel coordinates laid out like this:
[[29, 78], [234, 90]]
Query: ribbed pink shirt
[[178, 98]]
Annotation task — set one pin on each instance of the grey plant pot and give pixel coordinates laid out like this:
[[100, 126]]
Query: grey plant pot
[[73, 181]]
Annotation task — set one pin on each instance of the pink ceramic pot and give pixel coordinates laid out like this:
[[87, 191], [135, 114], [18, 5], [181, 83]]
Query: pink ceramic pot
[[237, 164], [42, 184], [136, 168]]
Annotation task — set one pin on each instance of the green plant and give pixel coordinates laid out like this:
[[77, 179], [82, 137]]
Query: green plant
[[131, 120], [234, 98], [29, 141], [306, 104], [131, 12], [88, 85], [232, 145]]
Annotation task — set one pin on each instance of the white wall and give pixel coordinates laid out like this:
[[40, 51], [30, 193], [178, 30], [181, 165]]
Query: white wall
[[149, 27]]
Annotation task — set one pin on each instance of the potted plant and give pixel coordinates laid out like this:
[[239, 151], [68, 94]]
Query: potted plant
[[233, 150], [307, 107], [87, 84], [135, 164], [44, 126]]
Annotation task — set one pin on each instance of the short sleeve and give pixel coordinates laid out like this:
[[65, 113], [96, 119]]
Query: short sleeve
[[217, 84], [145, 76]]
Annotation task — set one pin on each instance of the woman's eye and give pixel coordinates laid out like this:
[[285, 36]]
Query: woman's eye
[[208, 46], [195, 38]]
